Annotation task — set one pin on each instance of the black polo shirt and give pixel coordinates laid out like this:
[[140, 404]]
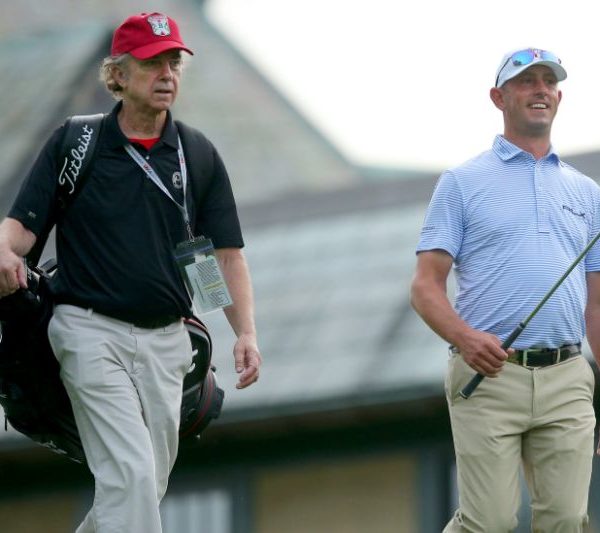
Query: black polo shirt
[[115, 242]]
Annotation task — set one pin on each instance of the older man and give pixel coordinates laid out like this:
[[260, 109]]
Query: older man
[[117, 330]]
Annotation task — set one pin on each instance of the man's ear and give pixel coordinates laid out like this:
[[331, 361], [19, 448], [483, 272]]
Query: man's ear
[[119, 75], [497, 96]]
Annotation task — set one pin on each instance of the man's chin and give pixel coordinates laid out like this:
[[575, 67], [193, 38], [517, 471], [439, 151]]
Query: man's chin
[[160, 99], [162, 105], [539, 128]]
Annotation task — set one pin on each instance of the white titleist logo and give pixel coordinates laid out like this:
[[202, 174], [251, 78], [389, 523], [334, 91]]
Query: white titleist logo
[[72, 166]]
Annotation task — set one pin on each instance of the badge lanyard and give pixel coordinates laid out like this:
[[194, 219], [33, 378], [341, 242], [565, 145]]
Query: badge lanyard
[[153, 176], [196, 258]]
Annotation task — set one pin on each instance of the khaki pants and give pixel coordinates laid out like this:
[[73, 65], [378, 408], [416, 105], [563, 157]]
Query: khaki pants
[[541, 418], [125, 385]]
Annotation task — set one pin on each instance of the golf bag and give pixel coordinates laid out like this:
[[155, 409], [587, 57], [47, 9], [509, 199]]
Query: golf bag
[[32, 395]]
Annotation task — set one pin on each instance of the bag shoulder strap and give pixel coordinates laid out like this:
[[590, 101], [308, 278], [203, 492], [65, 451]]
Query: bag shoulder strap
[[76, 152]]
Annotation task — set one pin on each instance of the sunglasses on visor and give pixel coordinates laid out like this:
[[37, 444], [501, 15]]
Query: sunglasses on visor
[[525, 57]]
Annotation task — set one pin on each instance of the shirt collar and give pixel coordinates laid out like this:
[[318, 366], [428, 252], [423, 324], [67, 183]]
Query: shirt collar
[[506, 150], [115, 137]]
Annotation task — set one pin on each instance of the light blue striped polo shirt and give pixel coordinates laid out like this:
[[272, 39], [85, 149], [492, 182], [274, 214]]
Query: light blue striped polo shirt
[[513, 226]]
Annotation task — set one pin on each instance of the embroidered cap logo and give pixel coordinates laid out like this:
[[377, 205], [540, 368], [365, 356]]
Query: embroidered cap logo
[[159, 24]]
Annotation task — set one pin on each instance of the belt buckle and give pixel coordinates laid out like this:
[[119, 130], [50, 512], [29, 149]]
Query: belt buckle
[[524, 359]]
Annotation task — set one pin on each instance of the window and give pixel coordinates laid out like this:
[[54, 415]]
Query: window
[[191, 512]]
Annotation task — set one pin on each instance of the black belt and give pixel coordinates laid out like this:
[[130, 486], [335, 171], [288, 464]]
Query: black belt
[[536, 357], [154, 323], [144, 323]]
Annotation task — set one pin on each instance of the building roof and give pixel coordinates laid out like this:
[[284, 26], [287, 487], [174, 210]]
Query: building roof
[[333, 316], [40, 70]]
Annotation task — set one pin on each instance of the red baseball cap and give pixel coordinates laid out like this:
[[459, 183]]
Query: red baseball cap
[[146, 35]]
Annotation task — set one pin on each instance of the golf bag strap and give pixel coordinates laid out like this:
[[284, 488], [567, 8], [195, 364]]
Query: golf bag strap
[[77, 150], [76, 153]]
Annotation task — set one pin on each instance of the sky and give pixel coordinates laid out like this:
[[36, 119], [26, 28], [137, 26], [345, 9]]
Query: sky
[[394, 83]]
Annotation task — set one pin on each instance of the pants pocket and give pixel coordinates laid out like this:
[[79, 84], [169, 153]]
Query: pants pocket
[[452, 378]]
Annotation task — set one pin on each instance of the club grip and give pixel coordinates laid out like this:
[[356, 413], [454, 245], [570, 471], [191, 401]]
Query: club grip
[[471, 386], [478, 378]]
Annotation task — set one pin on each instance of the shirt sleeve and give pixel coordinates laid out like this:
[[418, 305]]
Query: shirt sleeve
[[443, 227], [35, 204], [217, 216]]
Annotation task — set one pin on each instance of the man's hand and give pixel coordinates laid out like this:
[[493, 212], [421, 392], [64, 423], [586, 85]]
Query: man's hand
[[13, 275], [247, 360], [483, 353], [15, 243]]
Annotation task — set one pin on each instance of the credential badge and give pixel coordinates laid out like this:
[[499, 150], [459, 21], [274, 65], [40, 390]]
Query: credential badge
[[159, 24]]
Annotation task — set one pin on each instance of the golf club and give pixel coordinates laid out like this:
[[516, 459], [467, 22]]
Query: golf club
[[478, 378]]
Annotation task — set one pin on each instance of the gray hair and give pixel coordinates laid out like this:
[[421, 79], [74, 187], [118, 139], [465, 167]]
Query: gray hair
[[107, 70]]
